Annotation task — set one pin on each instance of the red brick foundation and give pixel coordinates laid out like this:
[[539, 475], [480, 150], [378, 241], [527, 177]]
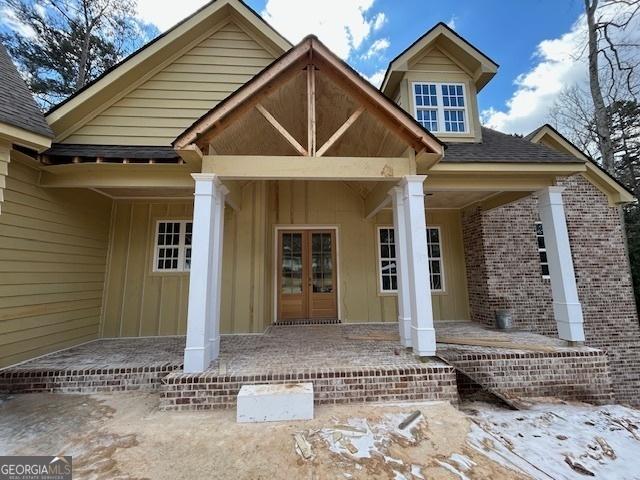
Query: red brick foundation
[[145, 379], [208, 391], [569, 375]]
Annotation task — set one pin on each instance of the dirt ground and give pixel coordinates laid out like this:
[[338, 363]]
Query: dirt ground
[[125, 436]]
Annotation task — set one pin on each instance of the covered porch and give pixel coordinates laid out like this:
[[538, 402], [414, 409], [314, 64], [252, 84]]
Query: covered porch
[[279, 129]]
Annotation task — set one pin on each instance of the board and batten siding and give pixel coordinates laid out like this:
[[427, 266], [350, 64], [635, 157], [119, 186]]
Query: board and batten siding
[[141, 302], [53, 249], [157, 111]]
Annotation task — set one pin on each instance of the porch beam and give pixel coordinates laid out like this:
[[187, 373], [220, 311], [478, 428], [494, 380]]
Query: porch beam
[[488, 183], [311, 107], [281, 130], [340, 132], [242, 167], [377, 199], [104, 175]]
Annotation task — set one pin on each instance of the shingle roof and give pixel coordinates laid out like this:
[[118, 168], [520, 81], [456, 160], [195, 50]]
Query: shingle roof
[[111, 151], [497, 147], [17, 106]]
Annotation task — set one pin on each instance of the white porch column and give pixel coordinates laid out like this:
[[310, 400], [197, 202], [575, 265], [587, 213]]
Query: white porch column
[[423, 336], [402, 267], [566, 305], [203, 316]]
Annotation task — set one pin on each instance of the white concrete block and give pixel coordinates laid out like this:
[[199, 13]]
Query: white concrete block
[[275, 402]]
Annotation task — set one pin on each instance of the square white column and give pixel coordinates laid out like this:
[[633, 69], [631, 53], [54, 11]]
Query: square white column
[[203, 316], [423, 335], [566, 305], [402, 267]]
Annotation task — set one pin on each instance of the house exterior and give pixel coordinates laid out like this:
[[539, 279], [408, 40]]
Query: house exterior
[[221, 180]]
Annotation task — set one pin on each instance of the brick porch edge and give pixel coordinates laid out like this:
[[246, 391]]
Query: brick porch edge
[[569, 375], [205, 391]]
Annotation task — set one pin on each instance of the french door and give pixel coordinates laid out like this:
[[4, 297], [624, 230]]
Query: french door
[[307, 275]]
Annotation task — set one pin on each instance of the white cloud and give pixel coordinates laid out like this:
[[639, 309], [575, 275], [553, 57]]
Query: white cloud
[[561, 63], [452, 22], [377, 48], [341, 24], [164, 14], [538, 89], [12, 21], [379, 20], [377, 78]]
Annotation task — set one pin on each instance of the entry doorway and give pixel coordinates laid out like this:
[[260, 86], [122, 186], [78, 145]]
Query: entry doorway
[[306, 274]]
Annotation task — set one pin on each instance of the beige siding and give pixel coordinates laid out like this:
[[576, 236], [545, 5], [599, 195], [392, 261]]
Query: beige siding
[[435, 60], [161, 108], [53, 248], [139, 302]]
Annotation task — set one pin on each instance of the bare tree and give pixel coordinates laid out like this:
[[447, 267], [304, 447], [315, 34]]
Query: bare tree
[[606, 40]]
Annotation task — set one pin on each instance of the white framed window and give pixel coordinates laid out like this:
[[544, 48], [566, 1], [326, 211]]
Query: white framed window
[[441, 107], [387, 259], [172, 251], [542, 251]]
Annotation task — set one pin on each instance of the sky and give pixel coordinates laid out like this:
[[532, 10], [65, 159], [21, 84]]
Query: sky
[[538, 52]]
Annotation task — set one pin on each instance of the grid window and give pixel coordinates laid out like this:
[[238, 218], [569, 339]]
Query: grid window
[[387, 259], [440, 106], [542, 250], [387, 254], [452, 96], [428, 119], [454, 120], [173, 246], [435, 259]]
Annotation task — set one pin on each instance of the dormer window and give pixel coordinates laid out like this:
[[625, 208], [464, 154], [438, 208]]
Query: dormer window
[[441, 107]]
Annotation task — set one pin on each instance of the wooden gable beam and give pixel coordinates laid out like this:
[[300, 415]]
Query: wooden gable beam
[[340, 132], [311, 106], [280, 129]]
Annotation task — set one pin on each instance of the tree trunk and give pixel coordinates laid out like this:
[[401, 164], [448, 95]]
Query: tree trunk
[[84, 60], [602, 117]]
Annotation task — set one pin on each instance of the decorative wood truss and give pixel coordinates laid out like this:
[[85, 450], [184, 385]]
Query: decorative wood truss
[[308, 103]]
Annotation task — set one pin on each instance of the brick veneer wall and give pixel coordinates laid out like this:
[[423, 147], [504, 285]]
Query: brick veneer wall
[[511, 271], [208, 390], [570, 375]]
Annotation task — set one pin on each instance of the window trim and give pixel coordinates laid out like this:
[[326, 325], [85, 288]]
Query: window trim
[[541, 250], [381, 292], [440, 108], [182, 247]]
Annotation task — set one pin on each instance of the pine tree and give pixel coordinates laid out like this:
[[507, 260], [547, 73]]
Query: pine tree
[[61, 45]]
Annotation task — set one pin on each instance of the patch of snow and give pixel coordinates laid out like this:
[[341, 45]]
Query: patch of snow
[[464, 463], [416, 471], [453, 470], [546, 440]]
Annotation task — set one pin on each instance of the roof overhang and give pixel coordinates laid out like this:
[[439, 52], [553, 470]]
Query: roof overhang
[[309, 52], [615, 191], [481, 67], [140, 65], [24, 138]]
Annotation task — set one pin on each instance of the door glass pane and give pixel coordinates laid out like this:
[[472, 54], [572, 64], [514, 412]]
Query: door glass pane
[[291, 263], [322, 262]]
